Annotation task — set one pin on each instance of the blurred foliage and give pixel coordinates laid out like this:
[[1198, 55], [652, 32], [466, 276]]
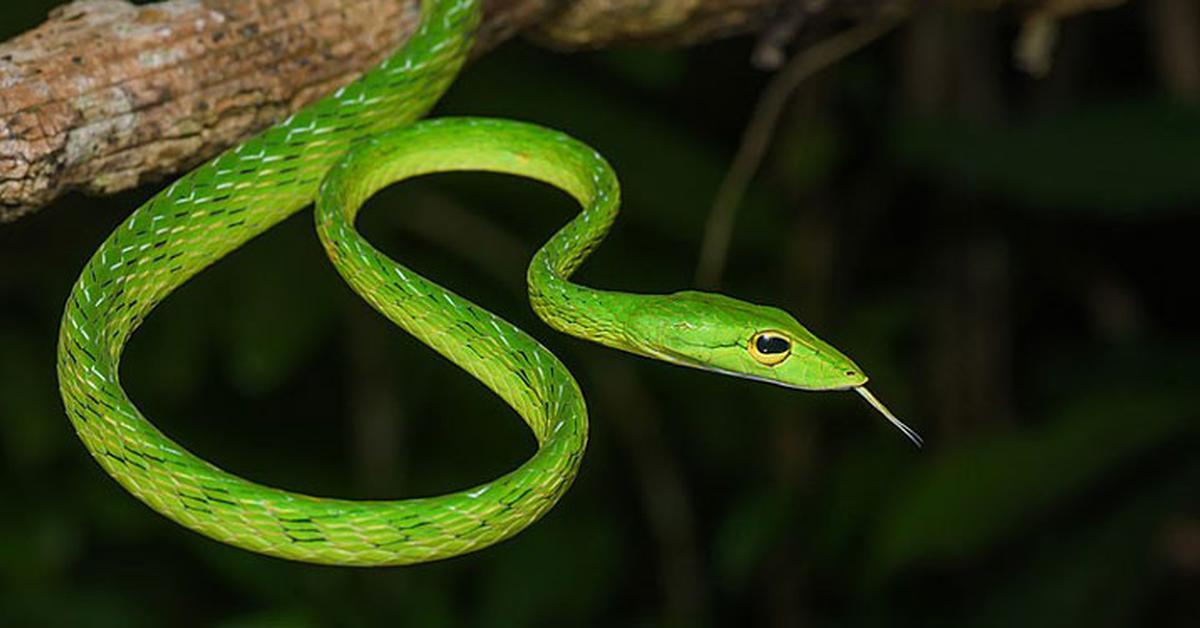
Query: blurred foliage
[[1013, 281], [1115, 157]]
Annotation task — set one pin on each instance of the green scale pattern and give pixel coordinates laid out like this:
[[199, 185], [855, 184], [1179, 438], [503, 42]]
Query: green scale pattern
[[217, 208], [338, 152]]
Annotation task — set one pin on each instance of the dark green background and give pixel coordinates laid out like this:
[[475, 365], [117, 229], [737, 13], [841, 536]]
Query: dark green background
[[1010, 259]]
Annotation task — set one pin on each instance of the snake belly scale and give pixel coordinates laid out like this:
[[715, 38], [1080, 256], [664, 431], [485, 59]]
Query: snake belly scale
[[337, 152]]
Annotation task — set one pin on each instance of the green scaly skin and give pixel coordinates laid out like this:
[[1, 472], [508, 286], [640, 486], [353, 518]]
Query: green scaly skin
[[221, 205]]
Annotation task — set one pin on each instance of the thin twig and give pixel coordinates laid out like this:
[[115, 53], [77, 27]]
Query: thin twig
[[757, 137]]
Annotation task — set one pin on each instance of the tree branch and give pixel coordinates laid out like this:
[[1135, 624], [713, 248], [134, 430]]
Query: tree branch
[[105, 95]]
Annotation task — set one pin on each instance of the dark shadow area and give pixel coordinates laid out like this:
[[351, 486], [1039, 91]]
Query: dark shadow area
[[1007, 257]]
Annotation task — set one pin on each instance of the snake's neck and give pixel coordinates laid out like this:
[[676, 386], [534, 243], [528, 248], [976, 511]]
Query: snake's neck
[[596, 315], [587, 313]]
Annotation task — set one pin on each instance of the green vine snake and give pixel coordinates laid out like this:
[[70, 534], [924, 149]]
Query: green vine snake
[[338, 152]]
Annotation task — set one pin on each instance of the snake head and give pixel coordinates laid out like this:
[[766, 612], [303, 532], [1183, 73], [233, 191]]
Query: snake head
[[717, 333]]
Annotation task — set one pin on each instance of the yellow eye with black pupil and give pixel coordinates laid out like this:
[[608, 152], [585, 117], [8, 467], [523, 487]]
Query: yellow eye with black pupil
[[769, 348]]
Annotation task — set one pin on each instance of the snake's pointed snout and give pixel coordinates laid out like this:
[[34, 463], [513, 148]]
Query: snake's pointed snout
[[878, 405]]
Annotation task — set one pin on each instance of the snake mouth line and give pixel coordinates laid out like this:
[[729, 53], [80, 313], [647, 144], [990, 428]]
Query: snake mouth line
[[681, 361]]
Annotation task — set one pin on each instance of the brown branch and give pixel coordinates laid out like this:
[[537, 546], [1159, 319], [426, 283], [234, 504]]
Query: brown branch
[[105, 95], [756, 138]]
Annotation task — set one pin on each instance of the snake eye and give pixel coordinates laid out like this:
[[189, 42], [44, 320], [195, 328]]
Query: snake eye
[[769, 348]]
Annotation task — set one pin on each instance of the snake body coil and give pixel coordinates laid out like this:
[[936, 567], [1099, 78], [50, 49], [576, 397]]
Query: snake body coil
[[338, 152]]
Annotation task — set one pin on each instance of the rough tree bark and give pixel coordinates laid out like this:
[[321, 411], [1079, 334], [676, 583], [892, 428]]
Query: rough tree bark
[[105, 95]]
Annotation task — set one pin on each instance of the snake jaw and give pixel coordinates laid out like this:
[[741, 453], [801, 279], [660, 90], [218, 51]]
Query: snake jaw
[[878, 405]]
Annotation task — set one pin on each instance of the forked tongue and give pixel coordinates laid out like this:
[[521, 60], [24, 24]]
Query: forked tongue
[[878, 405]]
